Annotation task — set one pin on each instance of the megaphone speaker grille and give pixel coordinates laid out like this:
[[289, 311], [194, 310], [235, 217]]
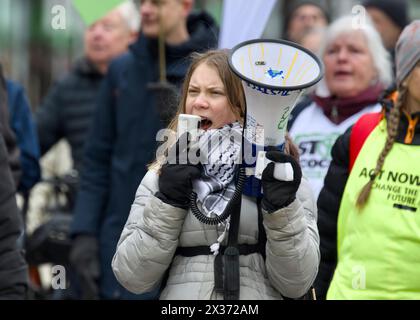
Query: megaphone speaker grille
[[275, 64], [274, 75]]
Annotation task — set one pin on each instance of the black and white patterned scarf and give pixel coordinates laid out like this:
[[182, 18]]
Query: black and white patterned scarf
[[222, 151]]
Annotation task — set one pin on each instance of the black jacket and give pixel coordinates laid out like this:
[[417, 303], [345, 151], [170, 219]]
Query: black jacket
[[330, 198], [13, 269], [66, 111], [13, 152]]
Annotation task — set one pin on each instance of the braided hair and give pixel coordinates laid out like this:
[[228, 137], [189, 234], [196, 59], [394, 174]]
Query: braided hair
[[392, 128]]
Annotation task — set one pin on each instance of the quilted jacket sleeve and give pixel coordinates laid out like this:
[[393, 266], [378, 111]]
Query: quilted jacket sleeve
[[293, 244], [149, 239]]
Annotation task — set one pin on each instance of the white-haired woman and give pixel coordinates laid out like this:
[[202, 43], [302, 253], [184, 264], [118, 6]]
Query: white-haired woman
[[357, 69]]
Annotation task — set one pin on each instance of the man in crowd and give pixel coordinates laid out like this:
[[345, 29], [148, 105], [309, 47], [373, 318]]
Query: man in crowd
[[66, 111], [304, 16], [390, 17]]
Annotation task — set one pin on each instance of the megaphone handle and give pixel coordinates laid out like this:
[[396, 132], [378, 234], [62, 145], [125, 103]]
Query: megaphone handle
[[188, 123], [282, 171]]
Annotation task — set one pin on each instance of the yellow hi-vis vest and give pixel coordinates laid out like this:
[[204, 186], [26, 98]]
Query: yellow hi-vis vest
[[378, 246]]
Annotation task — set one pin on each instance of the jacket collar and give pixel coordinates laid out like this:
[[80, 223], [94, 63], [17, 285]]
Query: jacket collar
[[339, 109], [203, 36], [85, 67], [409, 126]]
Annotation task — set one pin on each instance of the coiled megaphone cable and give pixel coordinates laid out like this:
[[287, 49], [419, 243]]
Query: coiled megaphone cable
[[226, 213], [236, 195]]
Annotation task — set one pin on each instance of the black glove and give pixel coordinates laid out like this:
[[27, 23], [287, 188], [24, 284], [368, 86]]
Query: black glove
[[175, 180], [84, 257], [279, 194]]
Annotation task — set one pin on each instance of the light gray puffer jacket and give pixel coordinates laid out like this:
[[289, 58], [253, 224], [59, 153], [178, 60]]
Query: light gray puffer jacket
[[155, 229]]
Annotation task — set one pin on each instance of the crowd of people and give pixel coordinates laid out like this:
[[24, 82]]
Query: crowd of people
[[346, 226]]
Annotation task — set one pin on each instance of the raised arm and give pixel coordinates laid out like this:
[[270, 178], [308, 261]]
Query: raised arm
[[292, 250]]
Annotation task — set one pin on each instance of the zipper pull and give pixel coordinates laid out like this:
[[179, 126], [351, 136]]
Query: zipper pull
[[334, 114], [216, 246], [411, 129]]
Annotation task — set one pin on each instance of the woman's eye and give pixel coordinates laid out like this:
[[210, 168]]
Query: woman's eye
[[355, 50], [331, 51], [352, 49]]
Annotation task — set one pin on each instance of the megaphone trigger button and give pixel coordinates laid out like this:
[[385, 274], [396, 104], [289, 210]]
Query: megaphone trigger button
[[261, 164], [283, 171]]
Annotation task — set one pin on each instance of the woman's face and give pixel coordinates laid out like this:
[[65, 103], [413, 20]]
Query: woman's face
[[206, 97], [349, 67], [413, 86]]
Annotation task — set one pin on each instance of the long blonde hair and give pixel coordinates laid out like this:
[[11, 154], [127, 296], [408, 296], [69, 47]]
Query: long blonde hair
[[217, 59]]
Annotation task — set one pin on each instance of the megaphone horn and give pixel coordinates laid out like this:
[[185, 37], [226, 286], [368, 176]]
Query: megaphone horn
[[274, 75]]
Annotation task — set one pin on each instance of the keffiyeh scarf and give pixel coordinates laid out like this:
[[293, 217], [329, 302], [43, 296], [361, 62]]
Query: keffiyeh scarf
[[222, 151]]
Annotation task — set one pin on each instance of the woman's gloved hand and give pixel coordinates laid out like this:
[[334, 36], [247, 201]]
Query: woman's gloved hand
[[279, 194], [175, 180], [84, 257]]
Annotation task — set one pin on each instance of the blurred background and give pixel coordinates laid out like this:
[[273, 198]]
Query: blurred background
[[35, 54]]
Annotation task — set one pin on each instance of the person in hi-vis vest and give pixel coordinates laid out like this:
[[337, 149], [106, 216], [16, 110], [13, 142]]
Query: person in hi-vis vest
[[375, 228]]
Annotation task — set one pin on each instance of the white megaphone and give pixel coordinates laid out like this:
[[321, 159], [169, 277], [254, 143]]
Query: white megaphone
[[274, 75]]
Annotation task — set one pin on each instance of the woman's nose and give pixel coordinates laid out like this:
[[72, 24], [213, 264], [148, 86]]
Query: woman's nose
[[342, 54], [201, 102]]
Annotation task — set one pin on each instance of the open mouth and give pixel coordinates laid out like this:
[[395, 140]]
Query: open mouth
[[342, 74], [205, 124]]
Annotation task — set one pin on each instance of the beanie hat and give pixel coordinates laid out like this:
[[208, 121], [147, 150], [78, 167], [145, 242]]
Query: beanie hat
[[297, 4], [396, 10], [407, 52]]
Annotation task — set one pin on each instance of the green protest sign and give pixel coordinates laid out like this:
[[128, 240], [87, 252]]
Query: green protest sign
[[92, 10]]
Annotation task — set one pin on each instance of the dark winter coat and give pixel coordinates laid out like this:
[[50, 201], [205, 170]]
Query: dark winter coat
[[66, 111], [13, 269], [123, 140], [7, 133], [23, 125]]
